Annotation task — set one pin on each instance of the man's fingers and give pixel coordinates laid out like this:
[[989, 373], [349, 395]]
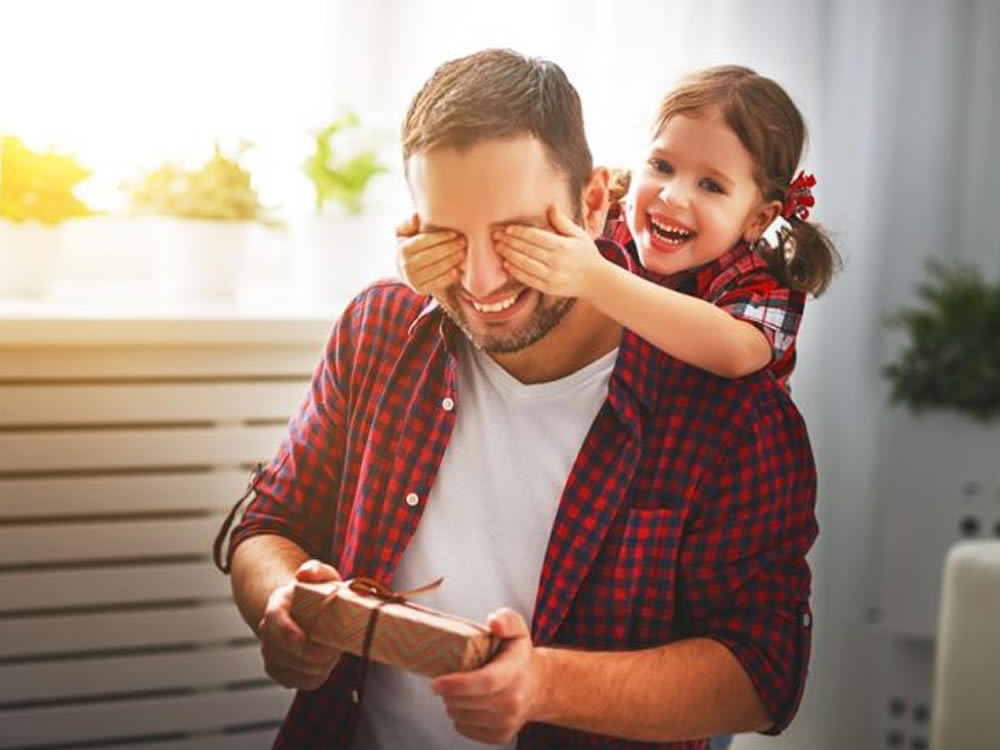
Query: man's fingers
[[506, 623]]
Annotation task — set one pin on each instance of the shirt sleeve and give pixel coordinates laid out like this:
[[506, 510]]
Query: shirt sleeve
[[760, 298], [745, 581], [296, 492]]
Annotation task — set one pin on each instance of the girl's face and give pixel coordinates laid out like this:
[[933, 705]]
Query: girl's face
[[694, 197]]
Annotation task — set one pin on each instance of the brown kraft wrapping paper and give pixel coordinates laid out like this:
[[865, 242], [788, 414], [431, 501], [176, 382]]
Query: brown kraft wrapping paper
[[406, 635]]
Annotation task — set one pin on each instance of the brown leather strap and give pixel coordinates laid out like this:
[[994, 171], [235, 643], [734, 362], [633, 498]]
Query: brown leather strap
[[222, 561]]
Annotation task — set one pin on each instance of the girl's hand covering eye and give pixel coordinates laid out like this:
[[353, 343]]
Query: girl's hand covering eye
[[428, 262], [563, 262]]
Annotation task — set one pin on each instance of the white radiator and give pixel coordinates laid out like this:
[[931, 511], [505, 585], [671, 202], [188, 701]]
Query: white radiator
[[117, 462]]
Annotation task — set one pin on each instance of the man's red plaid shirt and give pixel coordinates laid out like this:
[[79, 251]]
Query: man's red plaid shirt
[[688, 512]]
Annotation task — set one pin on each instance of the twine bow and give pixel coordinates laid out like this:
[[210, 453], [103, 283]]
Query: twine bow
[[370, 587]]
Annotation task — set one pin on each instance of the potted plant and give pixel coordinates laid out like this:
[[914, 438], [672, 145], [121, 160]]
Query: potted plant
[[332, 245], [952, 357], [205, 215], [36, 197]]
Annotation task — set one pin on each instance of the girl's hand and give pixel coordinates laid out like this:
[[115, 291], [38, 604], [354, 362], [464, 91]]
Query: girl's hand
[[564, 263], [430, 262]]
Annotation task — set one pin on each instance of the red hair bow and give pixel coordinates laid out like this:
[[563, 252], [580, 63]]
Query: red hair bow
[[799, 198]]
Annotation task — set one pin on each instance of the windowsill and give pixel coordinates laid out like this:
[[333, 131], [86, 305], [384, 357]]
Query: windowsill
[[255, 315]]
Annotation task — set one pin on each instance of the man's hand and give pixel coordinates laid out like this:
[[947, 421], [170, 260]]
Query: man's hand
[[428, 262], [290, 659], [491, 704], [564, 263]]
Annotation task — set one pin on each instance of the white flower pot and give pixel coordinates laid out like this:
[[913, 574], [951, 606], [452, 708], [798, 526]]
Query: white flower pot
[[199, 259], [336, 256], [28, 255]]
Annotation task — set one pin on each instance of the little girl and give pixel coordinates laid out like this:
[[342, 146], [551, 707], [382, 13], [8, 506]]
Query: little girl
[[715, 216]]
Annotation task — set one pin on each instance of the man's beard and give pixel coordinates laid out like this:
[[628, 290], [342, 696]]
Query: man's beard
[[544, 318]]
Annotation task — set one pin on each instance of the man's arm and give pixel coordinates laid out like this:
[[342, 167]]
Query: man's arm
[[262, 564], [684, 690], [265, 569]]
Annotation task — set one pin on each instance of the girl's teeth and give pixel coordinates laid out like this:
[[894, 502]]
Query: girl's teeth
[[670, 234], [496, 306]]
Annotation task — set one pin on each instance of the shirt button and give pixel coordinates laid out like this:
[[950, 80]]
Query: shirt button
[[355, 697], [807, 620], [412, 499], [447, 404]]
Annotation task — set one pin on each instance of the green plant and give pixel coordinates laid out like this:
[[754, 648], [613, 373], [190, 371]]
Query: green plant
[[39, 186], [221, 189], [952, 358], [342, 163]]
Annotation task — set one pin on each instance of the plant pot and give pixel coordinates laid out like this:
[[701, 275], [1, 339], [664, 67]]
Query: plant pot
[[938, 484], [199, 259], [336, 256], [28, 255]]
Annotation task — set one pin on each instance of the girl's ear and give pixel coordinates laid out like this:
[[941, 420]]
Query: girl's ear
[[760, 220], [595, 201]]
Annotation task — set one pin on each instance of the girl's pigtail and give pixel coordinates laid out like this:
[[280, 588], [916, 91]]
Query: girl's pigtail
[[815, 260], [805, 258]]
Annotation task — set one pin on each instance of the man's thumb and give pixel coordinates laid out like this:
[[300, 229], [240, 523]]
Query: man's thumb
[[506, 623], [314, 571]]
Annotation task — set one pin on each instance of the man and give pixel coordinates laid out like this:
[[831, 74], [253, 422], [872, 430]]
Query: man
[[650, 521]]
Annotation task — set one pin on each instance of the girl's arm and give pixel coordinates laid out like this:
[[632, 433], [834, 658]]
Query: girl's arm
[[691, 329], [688, 328]]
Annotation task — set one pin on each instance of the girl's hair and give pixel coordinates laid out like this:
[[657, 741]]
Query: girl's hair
[[771, 129]]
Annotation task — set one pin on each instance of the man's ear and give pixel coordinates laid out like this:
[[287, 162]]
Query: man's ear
[[760, 220], [595, 201]]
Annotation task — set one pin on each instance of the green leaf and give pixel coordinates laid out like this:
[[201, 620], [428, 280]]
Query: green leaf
[[952, 356]]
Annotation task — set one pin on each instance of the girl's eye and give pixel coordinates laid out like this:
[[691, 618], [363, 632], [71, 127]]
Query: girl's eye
[[711, 185], [661, 165]]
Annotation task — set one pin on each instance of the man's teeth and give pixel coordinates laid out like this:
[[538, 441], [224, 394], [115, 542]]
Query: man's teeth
[[496, 306], [675, 235]]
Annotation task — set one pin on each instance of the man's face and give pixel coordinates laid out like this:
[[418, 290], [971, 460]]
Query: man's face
[[474, 192]]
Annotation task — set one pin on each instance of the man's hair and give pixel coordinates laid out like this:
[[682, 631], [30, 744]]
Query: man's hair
[[499, 93]]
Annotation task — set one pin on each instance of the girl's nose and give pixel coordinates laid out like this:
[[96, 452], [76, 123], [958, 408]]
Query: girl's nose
[[674, 193]]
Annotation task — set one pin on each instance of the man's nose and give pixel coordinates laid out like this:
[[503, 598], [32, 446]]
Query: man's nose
[[483, 272]]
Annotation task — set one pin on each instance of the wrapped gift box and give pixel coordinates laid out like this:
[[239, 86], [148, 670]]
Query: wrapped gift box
[[406, 635]]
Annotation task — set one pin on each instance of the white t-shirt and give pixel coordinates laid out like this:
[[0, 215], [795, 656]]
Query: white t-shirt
[[486, 526]]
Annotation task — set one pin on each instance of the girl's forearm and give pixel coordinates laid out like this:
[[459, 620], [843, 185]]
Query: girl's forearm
[[686, 327]]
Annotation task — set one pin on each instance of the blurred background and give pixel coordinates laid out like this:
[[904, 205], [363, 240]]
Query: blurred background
[[110, 111]]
